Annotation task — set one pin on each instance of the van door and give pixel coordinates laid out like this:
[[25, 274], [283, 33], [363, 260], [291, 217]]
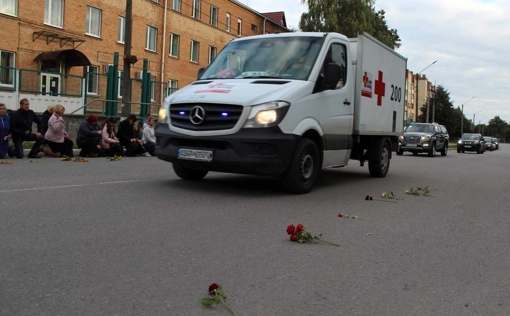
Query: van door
[[337, 107]]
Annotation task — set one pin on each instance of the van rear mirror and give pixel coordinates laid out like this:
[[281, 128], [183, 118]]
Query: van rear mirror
[[332, 74], [200, 71]]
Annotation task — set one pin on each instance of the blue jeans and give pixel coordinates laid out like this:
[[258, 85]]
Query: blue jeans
[[18, 144]]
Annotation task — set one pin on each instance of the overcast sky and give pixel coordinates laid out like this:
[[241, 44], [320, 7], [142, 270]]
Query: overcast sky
[[468, 38]]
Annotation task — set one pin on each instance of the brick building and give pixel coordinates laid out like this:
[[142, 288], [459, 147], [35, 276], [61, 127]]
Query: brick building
[[59, 50]]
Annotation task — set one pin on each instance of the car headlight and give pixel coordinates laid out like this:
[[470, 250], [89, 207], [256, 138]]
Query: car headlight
[[162, 114], [267, 114], [460, 142], [477, 142], [401, 137], [426, 137]]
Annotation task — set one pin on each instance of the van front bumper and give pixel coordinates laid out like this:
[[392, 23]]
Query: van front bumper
[[256, 151]]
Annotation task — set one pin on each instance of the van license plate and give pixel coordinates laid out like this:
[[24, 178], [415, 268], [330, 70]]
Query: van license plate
[[195, 154]]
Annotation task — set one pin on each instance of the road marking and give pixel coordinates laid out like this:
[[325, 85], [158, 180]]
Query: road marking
[[79, 185]]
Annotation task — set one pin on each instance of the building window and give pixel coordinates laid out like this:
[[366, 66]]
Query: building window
[[174, 44], [121, 30], [152, 36], [214, 16], [254, 28], [239, 27], [227, 22], [7, 68], [176, 5], [212, 53], [93, 22], [196, 9], [153, 87], [121, 84], [172, 87], [9, 7], [195, 47], [54, 12], [92, 79]]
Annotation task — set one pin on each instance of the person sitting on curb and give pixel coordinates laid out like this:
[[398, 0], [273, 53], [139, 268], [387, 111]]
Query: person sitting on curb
[[110, 143], [127, 137], [89, 137], [56, 136], [149, 138], [21, 130], [5, 133]]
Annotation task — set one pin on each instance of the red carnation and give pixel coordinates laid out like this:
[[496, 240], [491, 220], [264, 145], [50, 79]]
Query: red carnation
[[293, 238], [340, 215], [299, 228], [291, 229], [213, 287]]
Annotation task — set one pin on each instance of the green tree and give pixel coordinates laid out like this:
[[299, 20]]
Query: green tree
[[445, 113], [348, 17], [497, 127]]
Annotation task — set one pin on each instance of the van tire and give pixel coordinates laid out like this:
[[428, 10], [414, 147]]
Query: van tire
[[303, 169], [379, 168], [189, 174]]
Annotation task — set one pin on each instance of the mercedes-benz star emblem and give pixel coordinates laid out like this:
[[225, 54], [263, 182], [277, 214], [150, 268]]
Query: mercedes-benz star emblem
[[197, 115]]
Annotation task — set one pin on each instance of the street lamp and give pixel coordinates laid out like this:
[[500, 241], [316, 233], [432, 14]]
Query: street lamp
[[462, 117], [474, 119], [417, 85]]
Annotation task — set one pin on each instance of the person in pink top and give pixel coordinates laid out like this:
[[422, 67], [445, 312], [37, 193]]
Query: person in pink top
[[56, 135], [109, 142]]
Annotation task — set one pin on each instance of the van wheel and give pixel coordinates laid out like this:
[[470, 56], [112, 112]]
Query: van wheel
[[189, 174], [444, 151], [304, 168], [379, 168]]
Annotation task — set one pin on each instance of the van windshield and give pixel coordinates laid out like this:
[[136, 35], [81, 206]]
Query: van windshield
[[271, 57]]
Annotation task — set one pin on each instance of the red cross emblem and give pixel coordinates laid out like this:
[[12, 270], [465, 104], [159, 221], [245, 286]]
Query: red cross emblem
[[380, 88]]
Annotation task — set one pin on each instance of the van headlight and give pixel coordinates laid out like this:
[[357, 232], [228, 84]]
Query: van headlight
[[162, 114], [267, 114]]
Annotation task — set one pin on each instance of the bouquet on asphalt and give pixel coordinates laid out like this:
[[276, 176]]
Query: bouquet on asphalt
[[114, 158], [218, 297], [300, 234]]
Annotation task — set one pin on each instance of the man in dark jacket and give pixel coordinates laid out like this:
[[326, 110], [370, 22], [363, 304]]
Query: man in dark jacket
[[127, 138], [21, 128], [89, 137]]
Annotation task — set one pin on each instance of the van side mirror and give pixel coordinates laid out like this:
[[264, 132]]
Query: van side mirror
[[332, 75], [200, 71]]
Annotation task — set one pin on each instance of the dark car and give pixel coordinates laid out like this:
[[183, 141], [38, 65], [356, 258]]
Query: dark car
[[488, 143], [496, 143], [471, 142], [424, 138]]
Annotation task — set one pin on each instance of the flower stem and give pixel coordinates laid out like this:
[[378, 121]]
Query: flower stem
[[229, 308], [326, 242]]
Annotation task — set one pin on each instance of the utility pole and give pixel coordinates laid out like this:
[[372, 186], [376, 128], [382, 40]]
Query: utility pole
[[434, 105], [128, 59]]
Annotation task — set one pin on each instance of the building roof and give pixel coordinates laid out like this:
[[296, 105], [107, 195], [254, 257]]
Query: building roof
[[278, 17], [280, 21]]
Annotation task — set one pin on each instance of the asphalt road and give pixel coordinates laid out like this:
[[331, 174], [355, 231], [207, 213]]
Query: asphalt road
[[130, 238]]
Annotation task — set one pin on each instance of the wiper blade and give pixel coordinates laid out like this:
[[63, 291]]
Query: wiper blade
[[266, 77]]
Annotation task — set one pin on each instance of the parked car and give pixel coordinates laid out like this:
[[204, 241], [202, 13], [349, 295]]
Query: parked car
[[424, 137], [489, 145], [496, 143], [471, 142]]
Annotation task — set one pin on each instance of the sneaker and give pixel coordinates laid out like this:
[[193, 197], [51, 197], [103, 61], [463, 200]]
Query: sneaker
[[146, 154]]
